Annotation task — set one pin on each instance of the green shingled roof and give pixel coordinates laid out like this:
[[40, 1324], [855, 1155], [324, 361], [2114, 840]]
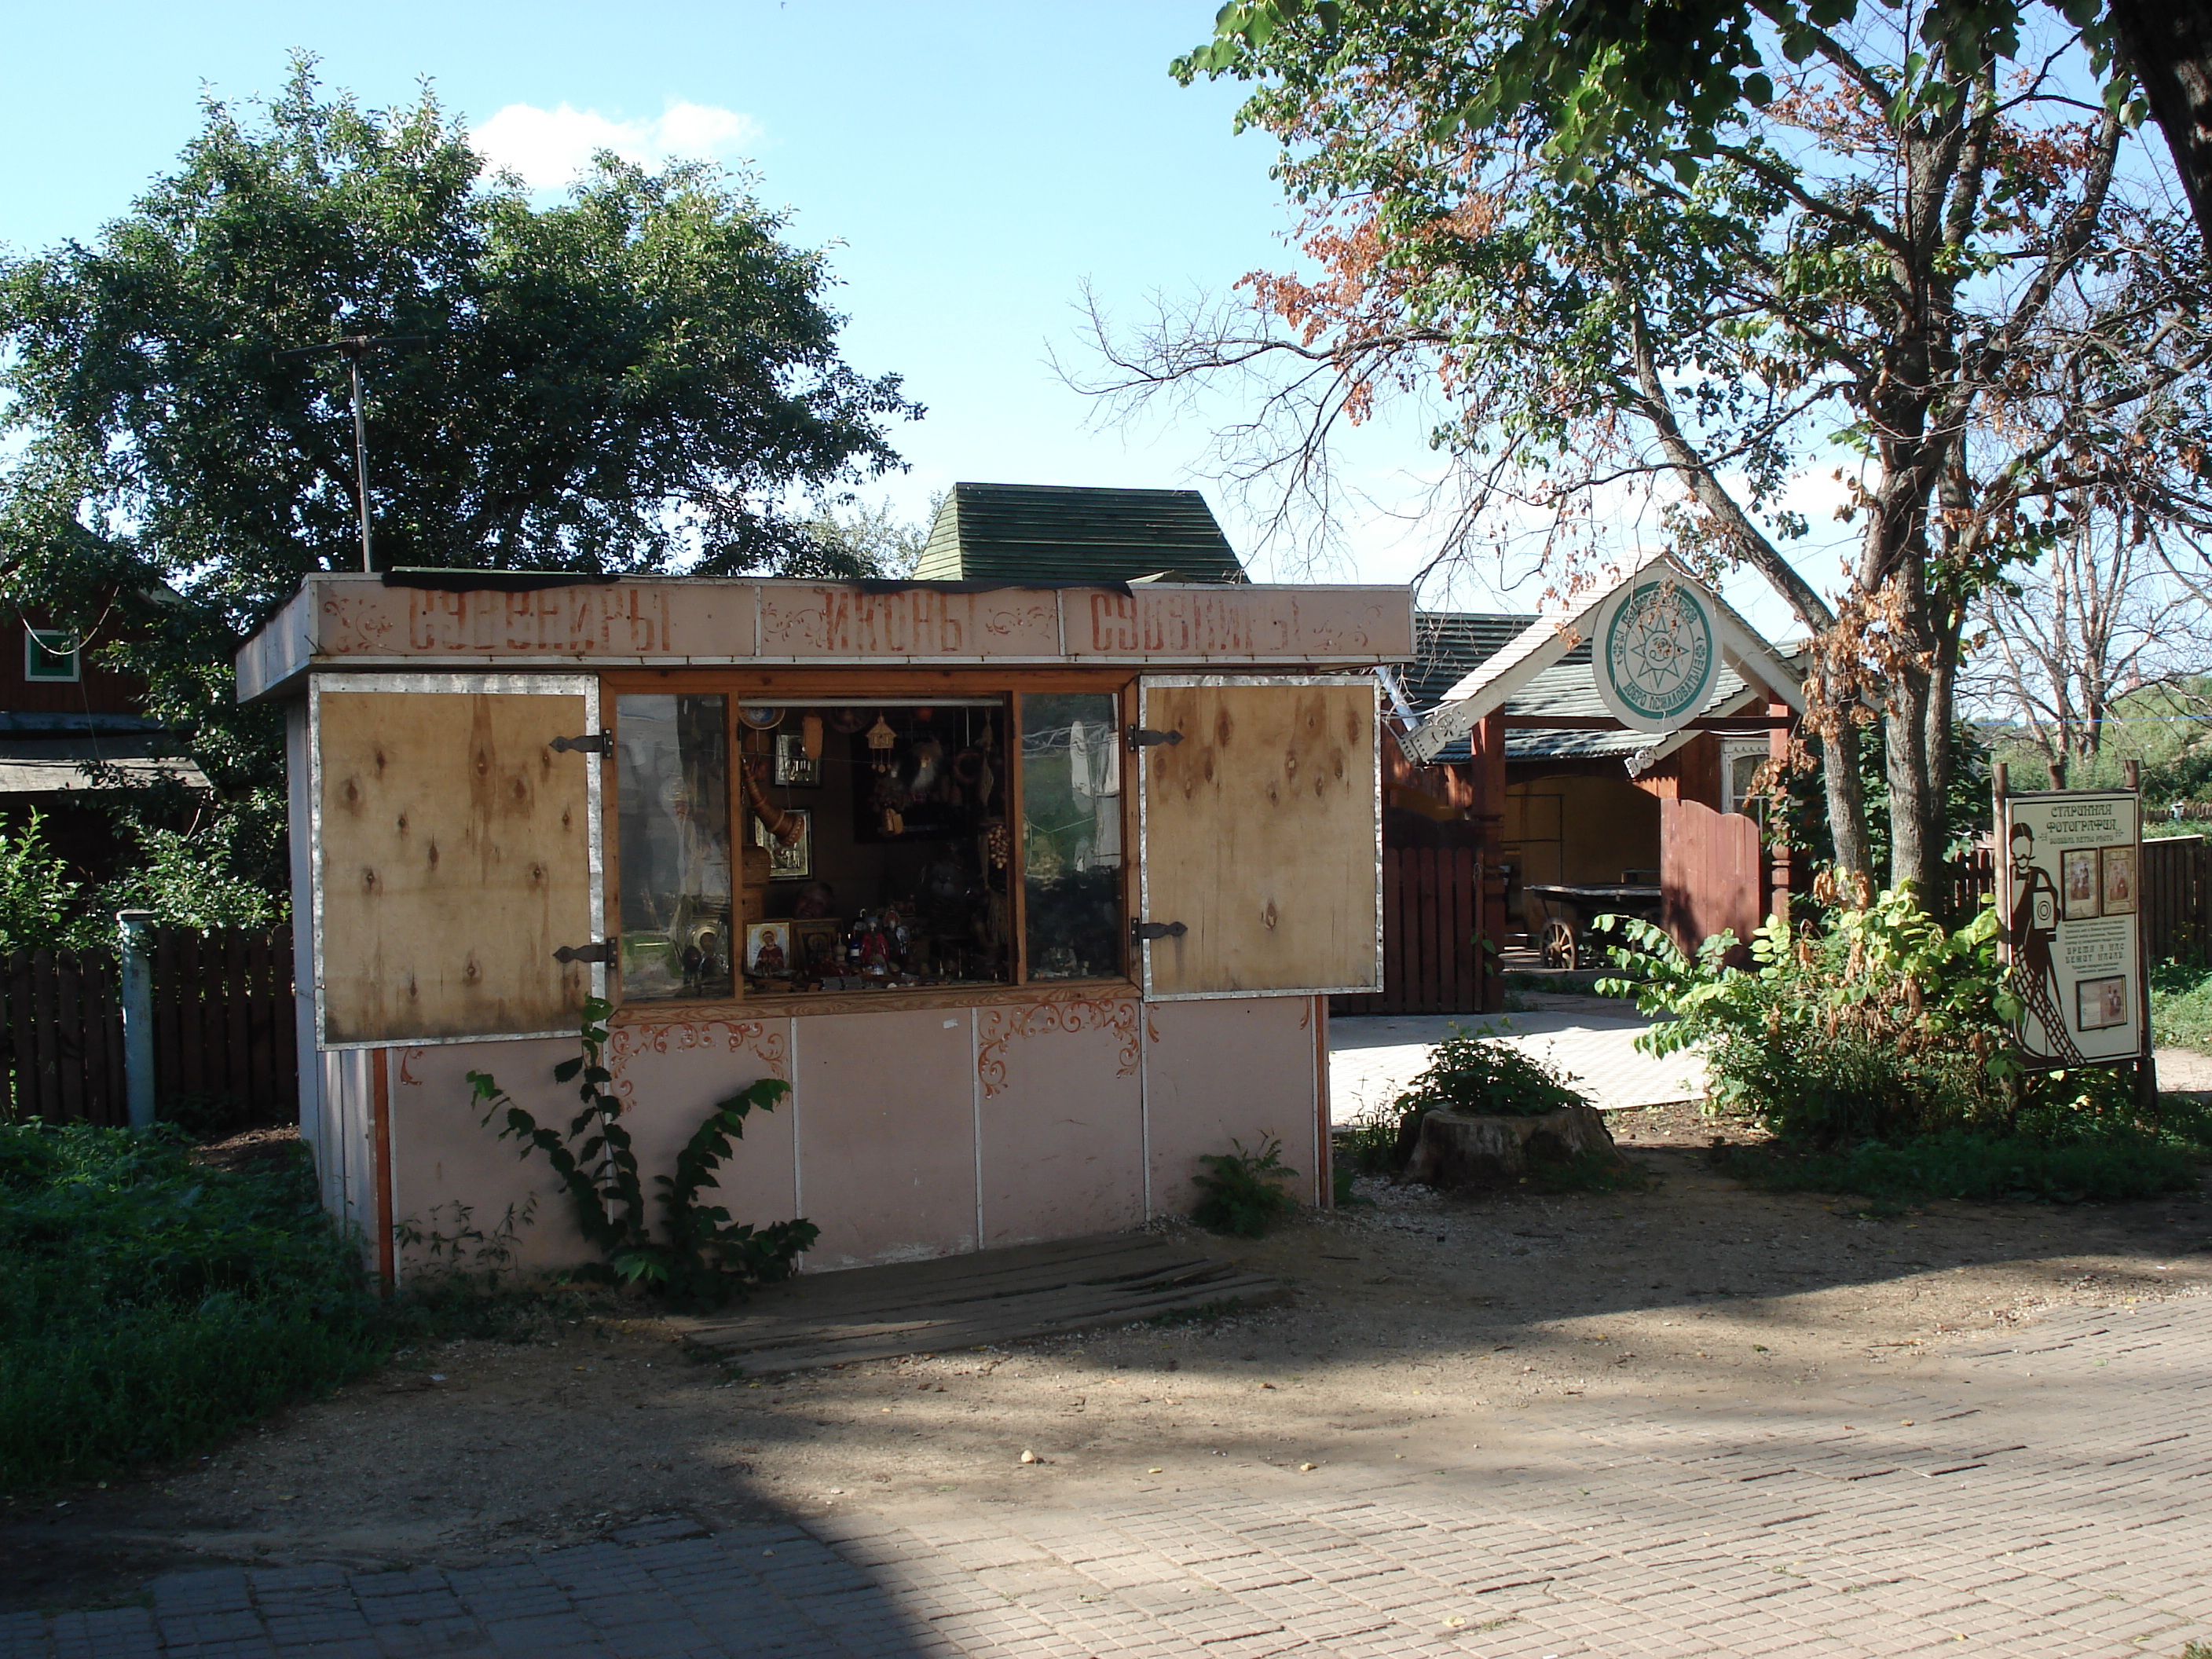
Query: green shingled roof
[[1452, 644], [1051, 533]]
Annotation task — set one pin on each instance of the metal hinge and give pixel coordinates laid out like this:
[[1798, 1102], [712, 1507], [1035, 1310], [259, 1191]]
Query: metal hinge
[[1142, 737], [1141, 931], [603, 951], [594, 742]]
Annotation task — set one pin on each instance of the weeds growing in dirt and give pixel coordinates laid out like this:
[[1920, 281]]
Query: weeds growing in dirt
[[2181, 1007], [1961, 1164], [705, 1258], [149, 1305], [1368, 1145], [1240, 1192], [1587, 1172]]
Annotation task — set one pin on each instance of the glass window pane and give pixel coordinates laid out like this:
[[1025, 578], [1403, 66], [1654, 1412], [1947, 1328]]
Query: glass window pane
[[1072, 834], [673, 817]]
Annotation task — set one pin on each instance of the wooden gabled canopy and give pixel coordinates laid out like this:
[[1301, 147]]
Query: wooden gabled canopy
[[1543, 642]]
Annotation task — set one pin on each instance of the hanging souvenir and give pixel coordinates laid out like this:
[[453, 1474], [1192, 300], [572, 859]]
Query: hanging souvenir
[[760, 716], [928, 768], [999, 845], [786, 827], [810, 737], [848, 721], [986, 779], [881, 739]]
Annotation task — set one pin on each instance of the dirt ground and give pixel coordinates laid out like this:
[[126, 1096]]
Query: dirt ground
[[1418, 1327]]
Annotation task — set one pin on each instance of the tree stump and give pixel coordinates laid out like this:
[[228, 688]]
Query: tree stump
[[1456, 1150]]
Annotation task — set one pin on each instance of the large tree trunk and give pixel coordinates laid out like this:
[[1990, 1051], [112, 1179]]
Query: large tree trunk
[[1916, 849], [1846, 797], [2168, 44]]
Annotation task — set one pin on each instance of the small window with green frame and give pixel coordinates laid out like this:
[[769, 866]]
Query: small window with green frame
[[50, 654]]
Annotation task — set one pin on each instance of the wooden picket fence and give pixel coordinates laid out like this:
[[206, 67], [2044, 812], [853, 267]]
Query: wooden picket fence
[[2177, 899], [1431, 899], [225, 1046]]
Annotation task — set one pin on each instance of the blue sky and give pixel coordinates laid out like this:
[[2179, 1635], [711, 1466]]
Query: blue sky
[[977, 164]]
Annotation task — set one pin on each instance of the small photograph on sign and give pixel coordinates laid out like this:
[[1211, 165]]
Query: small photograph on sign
[[2080, 865], [2119, 870], [2101, 1004]]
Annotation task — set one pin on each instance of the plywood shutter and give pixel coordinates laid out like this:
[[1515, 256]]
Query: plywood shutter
[[1260, 835], [455, 854]]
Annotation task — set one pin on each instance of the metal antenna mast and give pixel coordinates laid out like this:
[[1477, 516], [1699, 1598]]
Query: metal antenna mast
[[353, 347]]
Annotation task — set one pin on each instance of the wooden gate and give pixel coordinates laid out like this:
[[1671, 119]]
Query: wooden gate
[[1712, 873], [225, 1045], [1431, 912]]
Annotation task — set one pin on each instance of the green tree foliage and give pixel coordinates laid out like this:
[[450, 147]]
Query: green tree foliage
[[1931, 264], [39, 898], [643, 376], [1603, 71], [865, 539]]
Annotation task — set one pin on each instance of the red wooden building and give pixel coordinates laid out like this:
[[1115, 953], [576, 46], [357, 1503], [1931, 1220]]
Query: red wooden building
[[70, 726]]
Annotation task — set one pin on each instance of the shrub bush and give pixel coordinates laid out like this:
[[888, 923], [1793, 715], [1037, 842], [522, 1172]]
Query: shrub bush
[[1475, 1074], [149, 1306], [1886, 1024], [1879, 1051]]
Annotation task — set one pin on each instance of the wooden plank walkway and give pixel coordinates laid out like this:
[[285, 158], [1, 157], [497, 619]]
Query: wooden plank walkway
[[970, 1301]]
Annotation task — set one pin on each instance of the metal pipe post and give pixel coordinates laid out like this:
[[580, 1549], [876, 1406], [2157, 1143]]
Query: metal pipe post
[[360, 458], [131, 928]]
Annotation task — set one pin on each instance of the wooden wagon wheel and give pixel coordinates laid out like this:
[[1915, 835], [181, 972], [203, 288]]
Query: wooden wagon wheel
[[1562, 948]]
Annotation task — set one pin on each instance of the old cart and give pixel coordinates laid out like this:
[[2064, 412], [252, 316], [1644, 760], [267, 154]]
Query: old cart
[[1570, 913]]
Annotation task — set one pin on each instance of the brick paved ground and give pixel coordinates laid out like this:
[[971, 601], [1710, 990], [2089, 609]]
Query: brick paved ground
[[2057, 1501]]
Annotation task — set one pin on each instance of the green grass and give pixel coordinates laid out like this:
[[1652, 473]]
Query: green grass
[[2105, 1169], [149, 1306], [2181, 1007]]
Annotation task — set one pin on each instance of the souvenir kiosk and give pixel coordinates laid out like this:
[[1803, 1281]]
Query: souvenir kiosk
[[1032, 894]]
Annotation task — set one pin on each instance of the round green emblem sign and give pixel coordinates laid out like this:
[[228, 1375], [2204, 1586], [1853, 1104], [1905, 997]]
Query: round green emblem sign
[[1655, 655]]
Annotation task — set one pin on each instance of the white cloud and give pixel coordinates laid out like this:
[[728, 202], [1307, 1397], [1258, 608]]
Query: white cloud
[[547, 148]]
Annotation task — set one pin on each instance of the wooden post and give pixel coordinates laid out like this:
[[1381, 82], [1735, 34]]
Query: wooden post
[[2001, 881], [1780, 877], [1488, 768], [2147, 1066]]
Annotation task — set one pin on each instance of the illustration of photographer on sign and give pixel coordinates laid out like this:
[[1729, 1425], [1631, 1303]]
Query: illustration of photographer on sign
[[2031, 930]]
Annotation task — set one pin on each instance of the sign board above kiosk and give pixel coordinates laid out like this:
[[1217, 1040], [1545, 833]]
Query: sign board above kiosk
[[500, 620]]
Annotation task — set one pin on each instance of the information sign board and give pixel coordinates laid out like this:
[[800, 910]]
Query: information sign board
[[2069, 900]]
